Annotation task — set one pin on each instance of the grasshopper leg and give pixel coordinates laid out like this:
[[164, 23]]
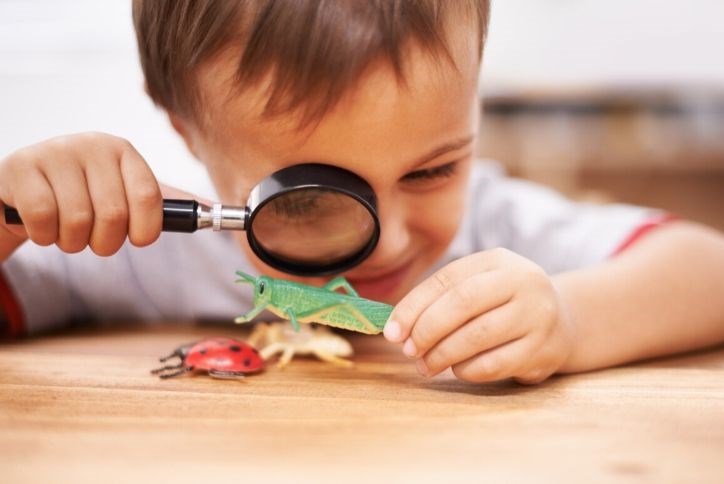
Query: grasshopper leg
[[245, 318], [338, 282], [361, 318], [292, 318]]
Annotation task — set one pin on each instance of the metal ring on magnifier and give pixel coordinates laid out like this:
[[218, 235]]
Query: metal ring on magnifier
[[306, 176], [216, 216]]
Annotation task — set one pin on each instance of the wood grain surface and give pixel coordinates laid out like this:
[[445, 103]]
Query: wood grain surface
[[82, 407]]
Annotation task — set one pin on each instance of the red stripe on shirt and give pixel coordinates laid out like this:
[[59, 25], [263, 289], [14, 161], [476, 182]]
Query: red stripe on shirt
[[13, 311], [642, 230]]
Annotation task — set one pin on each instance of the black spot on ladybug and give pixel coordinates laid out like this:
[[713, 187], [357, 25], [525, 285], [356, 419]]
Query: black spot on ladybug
[[202, 351], [247, 362], [235, 348]]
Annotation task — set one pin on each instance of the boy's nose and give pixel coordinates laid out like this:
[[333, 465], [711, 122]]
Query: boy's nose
[[394, 242]]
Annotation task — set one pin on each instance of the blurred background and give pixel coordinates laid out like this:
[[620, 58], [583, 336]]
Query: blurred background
[[610, 100], [617, 100]]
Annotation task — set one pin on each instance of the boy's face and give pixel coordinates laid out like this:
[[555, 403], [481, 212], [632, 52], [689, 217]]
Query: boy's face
[[413, 144]]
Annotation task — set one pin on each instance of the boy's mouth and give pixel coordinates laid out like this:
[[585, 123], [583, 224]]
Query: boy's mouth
[[380, 286]]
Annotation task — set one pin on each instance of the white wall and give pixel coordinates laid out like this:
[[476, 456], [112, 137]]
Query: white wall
[[559, 43], [70, 65]]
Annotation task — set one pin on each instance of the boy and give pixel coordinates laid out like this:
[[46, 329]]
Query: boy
[[527, 284]]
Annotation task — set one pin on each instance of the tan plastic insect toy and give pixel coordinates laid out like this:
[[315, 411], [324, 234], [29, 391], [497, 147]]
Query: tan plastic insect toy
[[278, 337]]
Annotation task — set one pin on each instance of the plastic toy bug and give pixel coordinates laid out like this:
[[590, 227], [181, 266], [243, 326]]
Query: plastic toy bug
[[307, 304], [278, 337], [225, 358]]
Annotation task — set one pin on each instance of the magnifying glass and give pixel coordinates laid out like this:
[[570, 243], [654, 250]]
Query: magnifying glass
[[309, 219]]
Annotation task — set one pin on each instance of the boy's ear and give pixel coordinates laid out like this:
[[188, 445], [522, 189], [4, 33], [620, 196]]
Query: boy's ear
[[180, 126]]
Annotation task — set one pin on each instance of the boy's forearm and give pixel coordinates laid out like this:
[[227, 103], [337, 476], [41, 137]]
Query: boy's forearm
[[663, 295]]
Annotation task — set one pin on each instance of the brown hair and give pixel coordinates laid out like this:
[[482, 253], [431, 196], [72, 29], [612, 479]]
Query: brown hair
[[315, 49]]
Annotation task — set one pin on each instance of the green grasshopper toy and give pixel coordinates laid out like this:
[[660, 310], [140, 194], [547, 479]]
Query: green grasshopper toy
[[308, 304]]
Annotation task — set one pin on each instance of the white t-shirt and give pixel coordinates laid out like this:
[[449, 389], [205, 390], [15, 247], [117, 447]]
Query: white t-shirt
[[191, 276]]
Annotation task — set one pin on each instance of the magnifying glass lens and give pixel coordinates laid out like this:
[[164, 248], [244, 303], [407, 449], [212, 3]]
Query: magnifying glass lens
[[313, 226]]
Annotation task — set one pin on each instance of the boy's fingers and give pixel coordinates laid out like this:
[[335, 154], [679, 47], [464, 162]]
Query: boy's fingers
[[110, 208], [544, 359], [145, 203], [408, 310], [496, 364], [6, 198], [482, 333], [35, 204], [474, 295], [17, 231], [75, 210]]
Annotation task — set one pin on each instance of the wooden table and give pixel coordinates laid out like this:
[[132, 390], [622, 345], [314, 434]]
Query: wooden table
[[82, 407]]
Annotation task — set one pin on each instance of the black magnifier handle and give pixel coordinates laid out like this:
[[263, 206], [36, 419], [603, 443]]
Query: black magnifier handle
[[182, 216], [12, 217]]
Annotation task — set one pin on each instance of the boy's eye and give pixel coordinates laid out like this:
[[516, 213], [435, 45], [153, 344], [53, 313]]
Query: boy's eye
[[295, 205], [443, 171]]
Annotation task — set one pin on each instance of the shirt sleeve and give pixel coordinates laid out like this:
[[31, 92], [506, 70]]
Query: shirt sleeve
[[35, 280], [11, 315], [53, 289], [542, 225], [179, 277]]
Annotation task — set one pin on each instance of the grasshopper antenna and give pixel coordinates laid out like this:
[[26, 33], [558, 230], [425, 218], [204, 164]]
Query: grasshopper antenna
[[245, 278]]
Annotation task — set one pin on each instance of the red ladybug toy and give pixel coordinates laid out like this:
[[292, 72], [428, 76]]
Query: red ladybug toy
[[220, 357]]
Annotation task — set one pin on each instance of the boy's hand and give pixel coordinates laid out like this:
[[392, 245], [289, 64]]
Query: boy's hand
[[489, 316], [82, 190]]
